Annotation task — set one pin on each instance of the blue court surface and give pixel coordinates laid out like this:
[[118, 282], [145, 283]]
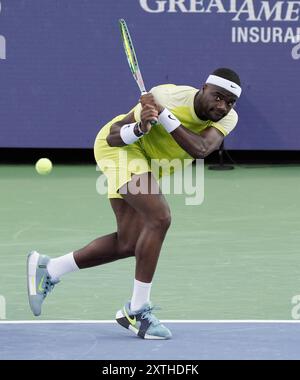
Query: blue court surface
[[192, 340]]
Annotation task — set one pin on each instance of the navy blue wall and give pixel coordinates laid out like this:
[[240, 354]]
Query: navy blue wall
[[65, 72]]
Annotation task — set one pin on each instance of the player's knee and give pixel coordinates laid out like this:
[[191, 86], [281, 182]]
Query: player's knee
[[126, 249], [160, 220]]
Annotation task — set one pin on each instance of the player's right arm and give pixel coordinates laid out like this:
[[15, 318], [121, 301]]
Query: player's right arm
[[148, 112]]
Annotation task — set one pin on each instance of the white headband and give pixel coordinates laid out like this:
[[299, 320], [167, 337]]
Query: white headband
[[226, 84]]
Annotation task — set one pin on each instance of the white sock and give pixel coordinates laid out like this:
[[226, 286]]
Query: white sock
[[62, 265], [141, 294]]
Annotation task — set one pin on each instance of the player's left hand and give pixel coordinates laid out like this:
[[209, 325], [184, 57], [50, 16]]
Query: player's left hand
[[150, 100], [148, 113]]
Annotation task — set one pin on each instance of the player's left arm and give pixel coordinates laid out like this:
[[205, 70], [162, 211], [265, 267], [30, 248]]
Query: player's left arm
[[198, 145]]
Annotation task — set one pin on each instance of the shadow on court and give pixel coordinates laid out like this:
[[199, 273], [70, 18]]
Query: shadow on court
[[191, 341]]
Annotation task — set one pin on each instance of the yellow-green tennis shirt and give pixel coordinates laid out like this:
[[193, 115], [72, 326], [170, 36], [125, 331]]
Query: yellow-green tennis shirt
[[158, 143], [157, 151]]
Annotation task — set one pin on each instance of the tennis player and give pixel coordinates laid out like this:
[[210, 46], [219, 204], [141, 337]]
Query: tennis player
[[191, 124]]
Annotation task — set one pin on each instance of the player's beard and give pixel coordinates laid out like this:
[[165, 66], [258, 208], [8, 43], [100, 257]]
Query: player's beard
[[215, 115]]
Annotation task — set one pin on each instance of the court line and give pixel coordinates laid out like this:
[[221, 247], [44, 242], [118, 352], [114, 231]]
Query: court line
[[23, 229], [200, 321]]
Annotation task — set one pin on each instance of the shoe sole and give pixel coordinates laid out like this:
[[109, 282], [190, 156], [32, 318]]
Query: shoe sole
[[32, 261], [123, 321]]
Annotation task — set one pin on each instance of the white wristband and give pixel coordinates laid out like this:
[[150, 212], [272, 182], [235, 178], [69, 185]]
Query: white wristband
[[127, 133], [168, 120]]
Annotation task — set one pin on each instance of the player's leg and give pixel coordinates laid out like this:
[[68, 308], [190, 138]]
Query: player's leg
[[118, 245], [151, 205], [44, 273]]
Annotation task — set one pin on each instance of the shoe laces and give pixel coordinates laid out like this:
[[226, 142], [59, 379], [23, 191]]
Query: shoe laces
[[49, 285], [147, 314]]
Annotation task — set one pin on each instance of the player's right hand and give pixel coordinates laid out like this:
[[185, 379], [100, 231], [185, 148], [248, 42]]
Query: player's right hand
[[149, 112], [149, 99]]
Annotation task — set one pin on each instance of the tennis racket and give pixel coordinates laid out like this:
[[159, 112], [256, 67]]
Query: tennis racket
[[132, 59]]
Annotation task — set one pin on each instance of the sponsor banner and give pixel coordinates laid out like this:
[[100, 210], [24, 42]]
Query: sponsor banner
[[64, 73]]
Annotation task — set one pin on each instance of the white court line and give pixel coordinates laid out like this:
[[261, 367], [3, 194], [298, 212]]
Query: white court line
[[201, 321]]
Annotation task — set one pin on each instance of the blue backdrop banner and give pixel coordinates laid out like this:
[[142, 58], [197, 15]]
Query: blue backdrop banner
[[64, 73]]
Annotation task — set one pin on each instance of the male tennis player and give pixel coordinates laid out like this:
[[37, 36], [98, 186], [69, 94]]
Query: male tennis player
[[191, 123]]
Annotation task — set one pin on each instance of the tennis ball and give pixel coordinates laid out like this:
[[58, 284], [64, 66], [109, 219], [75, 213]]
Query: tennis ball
[[43, 166]]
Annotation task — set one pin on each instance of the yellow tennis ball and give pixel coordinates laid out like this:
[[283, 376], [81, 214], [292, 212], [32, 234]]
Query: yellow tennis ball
[[43, 166]]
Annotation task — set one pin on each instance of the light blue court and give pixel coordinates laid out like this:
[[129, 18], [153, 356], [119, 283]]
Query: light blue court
[[191, 341]]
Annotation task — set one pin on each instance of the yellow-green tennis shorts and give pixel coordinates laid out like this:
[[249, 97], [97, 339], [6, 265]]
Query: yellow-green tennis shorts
[[118, 163]]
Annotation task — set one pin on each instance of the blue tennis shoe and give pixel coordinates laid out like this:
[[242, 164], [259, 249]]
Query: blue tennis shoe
[[143, 322], [39, 282]]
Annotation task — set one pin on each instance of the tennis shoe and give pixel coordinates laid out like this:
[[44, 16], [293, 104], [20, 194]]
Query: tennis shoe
[[39, 282], [143, 322]]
